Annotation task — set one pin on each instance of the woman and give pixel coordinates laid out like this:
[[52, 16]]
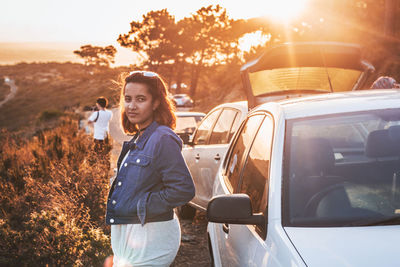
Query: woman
[[152, 177]]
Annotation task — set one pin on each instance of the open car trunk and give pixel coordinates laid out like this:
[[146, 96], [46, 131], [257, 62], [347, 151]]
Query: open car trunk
[[297, 69]]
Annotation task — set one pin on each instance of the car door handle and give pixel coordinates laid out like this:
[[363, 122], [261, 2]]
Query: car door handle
[[217, 157], [197, 156], [225, 228]]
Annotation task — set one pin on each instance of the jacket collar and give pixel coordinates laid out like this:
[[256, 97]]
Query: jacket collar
[[146, 134]]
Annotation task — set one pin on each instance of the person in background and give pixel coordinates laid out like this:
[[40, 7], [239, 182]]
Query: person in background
[[152, 177], [384, 82], [100, 120]]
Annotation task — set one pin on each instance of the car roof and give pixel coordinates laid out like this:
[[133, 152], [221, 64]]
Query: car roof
[[333, 103], [241, 105], [189, 113]]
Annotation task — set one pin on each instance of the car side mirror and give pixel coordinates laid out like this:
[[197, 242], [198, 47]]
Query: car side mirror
[[233, 209]]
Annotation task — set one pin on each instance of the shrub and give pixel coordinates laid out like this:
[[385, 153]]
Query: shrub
[[47, 115], [53, 191]]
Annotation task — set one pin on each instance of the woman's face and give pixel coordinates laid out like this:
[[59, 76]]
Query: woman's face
[[139, 104]]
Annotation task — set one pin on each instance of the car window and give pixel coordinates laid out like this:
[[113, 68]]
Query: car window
[[243, 142], [205, 127], [185, 124], [220, 133], [235, 126], [256, 169], [342, 169]]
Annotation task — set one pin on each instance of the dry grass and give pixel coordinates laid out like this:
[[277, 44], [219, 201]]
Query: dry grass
[[53, 191]]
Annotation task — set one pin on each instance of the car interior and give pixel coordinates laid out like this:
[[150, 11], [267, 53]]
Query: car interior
[[334, 186]]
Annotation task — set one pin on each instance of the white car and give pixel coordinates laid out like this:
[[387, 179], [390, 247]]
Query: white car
[[285, 71], [311, 181], [183, 100], [207, 148]]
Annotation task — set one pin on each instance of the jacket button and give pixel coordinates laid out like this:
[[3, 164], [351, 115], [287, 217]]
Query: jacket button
[[119, 183], [114, 202], [111, 220], [138, 161], [126, 164]]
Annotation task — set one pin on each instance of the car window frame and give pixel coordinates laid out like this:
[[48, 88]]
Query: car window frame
[[219, 110], [237, 116], [244, 156], [259, 230]]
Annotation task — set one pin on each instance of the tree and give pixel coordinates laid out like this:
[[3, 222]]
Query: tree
[[96, 55], [154, 38], [209, 40]]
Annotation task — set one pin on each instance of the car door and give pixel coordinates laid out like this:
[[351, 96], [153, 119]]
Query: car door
[[193, 154], [247, 171], [210, 144], [213, 154]]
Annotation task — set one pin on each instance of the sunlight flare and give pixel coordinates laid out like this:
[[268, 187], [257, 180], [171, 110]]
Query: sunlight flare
[[284, 10], [249, 40]]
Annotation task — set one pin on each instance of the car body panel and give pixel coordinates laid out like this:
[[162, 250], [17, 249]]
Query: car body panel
[[339, 103], [243, 246], [304, 246], [203, 169], [347, 246]]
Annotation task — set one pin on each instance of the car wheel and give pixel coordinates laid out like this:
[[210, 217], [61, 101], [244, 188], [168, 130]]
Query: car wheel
[[186, 212]]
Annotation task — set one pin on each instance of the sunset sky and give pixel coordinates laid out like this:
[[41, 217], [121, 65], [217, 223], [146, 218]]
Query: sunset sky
[[101, 21], [29, 28]]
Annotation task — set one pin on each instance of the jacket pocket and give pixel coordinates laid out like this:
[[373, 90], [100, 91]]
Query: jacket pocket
[[139, 160], [137, 167]]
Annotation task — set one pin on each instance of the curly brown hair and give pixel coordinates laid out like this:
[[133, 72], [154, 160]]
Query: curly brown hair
[[164, 113]]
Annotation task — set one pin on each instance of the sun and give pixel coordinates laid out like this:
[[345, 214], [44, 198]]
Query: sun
[[249, 40], [283, 10]]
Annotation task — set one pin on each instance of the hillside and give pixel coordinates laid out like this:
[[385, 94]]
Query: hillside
[[4, 90], [54, 88], [50, 89]]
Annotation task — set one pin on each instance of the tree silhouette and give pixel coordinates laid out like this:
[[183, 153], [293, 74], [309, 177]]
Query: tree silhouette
[[206, 38], [96, 55], [210, 40], [153, 38]]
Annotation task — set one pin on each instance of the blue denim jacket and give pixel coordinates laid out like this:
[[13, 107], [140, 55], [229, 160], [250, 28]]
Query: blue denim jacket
[[153, 180]]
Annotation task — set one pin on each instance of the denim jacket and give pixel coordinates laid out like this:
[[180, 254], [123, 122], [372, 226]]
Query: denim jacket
[[153, 180]]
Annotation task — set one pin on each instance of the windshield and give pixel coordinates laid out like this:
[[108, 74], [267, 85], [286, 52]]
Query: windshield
[[343, 170], [303, 78], [187, 124]]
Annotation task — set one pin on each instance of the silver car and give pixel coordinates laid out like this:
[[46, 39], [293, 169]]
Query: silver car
[[207, 149], [311, 181], [186, 123]]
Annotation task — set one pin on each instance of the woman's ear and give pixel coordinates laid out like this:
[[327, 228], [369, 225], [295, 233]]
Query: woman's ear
[[156, 103]]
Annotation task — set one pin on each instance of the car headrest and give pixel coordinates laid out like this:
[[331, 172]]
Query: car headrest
[[383, 143], [312, 156]]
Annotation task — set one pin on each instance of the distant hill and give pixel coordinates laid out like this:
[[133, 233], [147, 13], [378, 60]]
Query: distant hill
[[12, 53], [53, 88]]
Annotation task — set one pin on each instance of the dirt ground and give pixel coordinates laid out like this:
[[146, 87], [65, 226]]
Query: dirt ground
[[194, 247]]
